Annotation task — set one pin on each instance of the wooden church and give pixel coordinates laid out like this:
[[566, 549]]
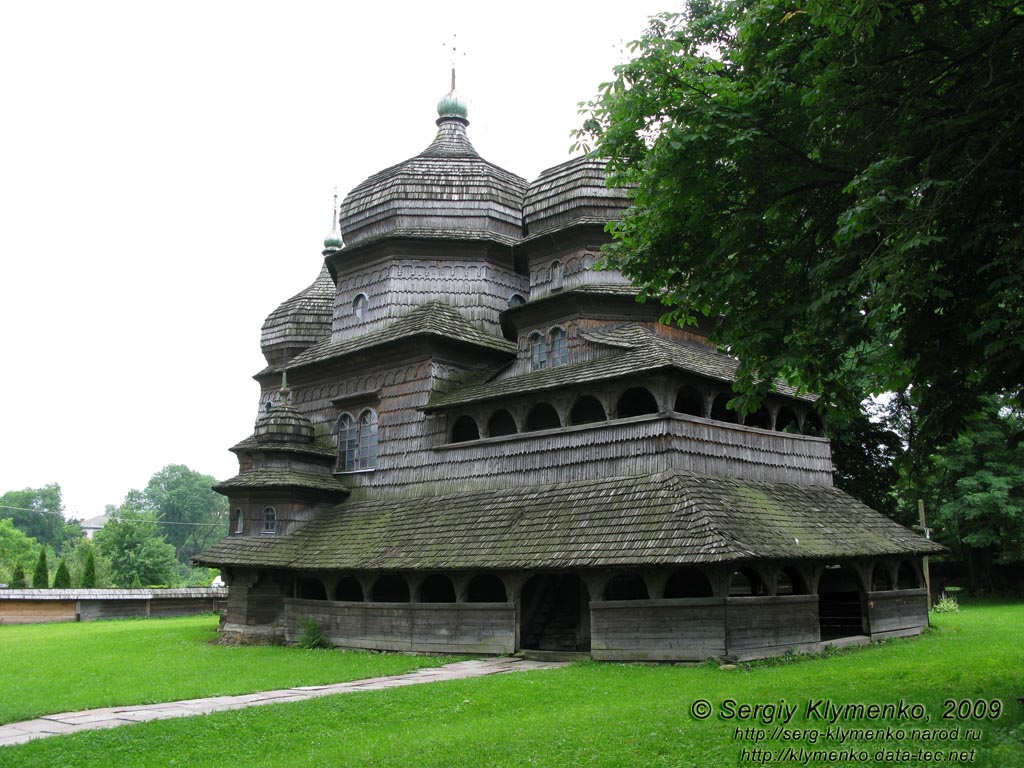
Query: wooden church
[[471, 440]]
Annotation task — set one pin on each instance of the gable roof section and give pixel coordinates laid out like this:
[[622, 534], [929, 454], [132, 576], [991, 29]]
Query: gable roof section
[[435, 318], [672, 518], [642, 350]]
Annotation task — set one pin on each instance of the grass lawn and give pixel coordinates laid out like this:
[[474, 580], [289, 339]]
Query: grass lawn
[[609, 714], [50, 668]]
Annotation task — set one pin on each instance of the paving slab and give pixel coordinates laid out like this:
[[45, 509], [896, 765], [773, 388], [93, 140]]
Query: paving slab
[[112, 717]]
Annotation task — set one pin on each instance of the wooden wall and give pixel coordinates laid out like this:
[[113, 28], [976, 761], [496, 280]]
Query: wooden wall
[[28, 606], [757, 627], [690, 629], [897, 612], [419, 627]]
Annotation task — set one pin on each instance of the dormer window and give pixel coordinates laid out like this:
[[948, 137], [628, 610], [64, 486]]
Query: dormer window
[[269, 521], [556, 275], [559, 350], [359, 304], [538, 352]]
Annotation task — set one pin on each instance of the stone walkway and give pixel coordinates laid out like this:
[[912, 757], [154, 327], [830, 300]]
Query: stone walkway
[[111, 717]]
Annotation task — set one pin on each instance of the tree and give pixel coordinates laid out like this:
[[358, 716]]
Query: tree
[[836, 186], [16, 550], [136, 550], [89, 572], [18, 578], [39, 513], [41, 575], [865, 453], [191, 515], [62, 579]]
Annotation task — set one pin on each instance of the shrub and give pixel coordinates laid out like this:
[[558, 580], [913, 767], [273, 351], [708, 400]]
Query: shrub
[[62, 579], [41, 576], [312, 638], [946, 604]]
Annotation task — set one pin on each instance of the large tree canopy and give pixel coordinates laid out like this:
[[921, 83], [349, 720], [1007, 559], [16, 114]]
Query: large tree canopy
[[191, 515], [39, 513], [838, 185]]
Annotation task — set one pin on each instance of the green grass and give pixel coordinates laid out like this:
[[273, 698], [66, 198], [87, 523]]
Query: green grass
[[50, 668], [595, 714]]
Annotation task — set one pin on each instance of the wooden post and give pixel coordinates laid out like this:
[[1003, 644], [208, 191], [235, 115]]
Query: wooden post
[[928, 535]]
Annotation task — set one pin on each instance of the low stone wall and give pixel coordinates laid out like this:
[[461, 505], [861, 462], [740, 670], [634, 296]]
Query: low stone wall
[[421, 627], [30, 606]]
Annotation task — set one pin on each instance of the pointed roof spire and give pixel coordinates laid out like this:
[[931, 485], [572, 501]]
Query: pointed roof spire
[[333, 240], [451, 105]]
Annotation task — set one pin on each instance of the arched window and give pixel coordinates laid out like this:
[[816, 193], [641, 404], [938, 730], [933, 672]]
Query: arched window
[[270, 520], [719, 411], [308, 588], [559, 350], [759, 418], [689, 400], [501, 423], [465, 429], [437, 588], [688, 582], [556, 274], [906, 577], [542, 416], [357, 441], [745, 583], [359, 304], [636, 402], [538, 352], [880, 578], [238, 520], [587, 410], [785, 421], [486, 588], [390, 588], [348, 589], [516, 300], [790, 582], [626, 586]]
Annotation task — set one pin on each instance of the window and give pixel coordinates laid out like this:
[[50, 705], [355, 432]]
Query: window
[[538, 352], [270, 520], [357, 441], [556, 275], [559, 351], [465, 429], [516, 300], [238, 520], [359, 306]]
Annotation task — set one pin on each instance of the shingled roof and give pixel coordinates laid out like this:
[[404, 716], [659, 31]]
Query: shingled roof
[[281, 477], [573, 192], [302, 319], [670, 518], [642, 350], [435, 318]]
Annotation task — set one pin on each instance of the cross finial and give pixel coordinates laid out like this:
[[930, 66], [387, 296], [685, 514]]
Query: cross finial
[[454, 49]]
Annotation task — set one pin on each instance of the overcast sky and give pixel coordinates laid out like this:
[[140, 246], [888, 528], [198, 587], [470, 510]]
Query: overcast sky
[[166, 174]]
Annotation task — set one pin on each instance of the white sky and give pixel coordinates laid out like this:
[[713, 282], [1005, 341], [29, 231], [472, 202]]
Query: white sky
[[166, 174]]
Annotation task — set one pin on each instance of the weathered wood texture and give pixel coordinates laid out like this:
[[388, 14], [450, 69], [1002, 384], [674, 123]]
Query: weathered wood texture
[[417, 627], [663, 630], [896, 611], [23, 606], [767, 626]]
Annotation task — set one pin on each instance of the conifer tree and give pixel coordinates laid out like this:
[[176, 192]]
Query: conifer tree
[[41, 576], [18, 579], [89, 574], [62, 579], [136, 584]]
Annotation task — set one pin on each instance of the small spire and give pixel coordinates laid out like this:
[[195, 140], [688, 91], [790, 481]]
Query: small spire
[[451, 105], [333, 240], [285, 392]]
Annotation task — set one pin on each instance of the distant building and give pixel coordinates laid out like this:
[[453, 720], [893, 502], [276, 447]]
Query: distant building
[[92, 525], [473, 439]]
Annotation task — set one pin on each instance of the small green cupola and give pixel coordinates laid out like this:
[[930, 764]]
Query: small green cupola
[[333, 240], [451, 105]]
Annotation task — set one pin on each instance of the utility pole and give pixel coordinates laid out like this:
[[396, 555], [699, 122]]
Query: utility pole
[[923, 528]]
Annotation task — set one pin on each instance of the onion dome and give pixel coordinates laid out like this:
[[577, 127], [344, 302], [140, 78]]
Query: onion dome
[[446, 192], [283, 424], [299, 322], [333, 240], [573, 192]]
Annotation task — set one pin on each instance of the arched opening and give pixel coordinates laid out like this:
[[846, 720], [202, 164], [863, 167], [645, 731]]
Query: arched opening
[[880, 578], [907, 577], [636, 401], [785, 421], [367, 454], [308, 588], [688, 582], [390, 588], [348, 436], [238, 520], [759, 418], [790, 582], [349, 589], [465, 429], [270, 521], [556, 274], [840, 603], [501, 423], [689, 400], [813, 425], [516, 300], [746, 582], [719, 409], [437, 588], [559, 347], [587, 410], [626, 586], [486, 588], [542, 416], [555, 613]]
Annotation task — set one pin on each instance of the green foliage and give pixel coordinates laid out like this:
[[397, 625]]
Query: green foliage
[[136, 582], [89, 571], [946, 604], [17, 550], [837, 186], [18, 578], [62, 578], [311, 638], [865, 453], [39, 514], [191, 514], [78, 563], [41, 575], [137, 551]]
